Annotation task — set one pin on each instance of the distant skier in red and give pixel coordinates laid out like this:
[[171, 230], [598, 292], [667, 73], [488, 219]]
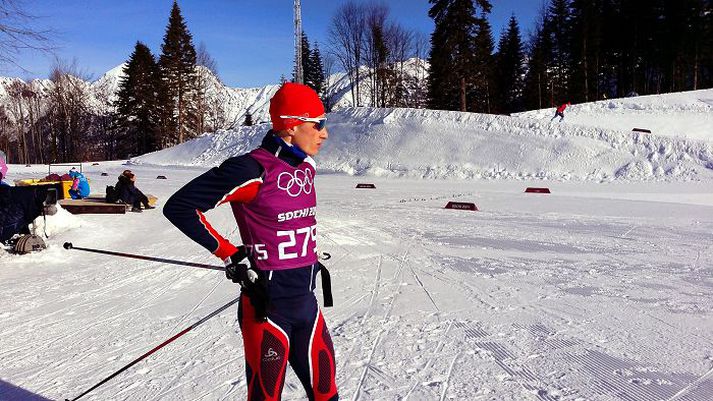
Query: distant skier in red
[[560, 111]]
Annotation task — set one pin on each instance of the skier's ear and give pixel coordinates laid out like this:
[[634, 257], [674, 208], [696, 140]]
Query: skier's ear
[[291, 131]]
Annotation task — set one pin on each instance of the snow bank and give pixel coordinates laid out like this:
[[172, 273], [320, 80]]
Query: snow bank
[[682, 114], [58, 223], [442, 144]]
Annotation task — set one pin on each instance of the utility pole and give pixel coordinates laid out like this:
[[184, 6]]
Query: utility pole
[[299, 74]]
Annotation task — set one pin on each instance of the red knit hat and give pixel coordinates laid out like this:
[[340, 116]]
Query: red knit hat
[[294, 100]]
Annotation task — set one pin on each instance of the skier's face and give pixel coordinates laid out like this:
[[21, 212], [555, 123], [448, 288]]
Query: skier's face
[[308, 137]]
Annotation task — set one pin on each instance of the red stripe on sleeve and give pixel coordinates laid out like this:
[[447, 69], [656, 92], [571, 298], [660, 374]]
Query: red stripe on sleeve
[[244, 193], [225, 248]]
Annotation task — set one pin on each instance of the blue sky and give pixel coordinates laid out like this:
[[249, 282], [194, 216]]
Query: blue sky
[[251, 40]]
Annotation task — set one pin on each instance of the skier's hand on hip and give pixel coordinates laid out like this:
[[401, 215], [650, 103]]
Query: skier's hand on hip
[[239, 268]]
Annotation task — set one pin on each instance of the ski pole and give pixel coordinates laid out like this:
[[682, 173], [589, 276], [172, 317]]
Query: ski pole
[[158, 347], [68, 246]]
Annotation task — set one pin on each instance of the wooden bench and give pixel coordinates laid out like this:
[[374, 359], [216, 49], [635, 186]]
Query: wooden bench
[[97, 204]]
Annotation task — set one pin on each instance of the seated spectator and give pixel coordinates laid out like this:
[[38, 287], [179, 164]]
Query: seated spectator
[[127, 192], [80, 185]]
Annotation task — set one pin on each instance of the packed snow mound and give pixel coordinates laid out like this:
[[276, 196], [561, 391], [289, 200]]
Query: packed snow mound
[[681, 114], [442, 144], [58, 223]]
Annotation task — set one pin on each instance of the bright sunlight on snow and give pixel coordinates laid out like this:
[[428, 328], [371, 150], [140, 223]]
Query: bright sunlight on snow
[[597, 291]]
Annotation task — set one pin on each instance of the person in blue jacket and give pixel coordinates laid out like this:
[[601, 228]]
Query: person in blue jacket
[[80, 185]]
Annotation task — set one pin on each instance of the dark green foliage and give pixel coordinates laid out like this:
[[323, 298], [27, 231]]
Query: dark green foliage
[[179, 120], [509, 71], [312, 66], [136, 104], [316, 68], [537, 79], [453, 56], [480, 96], [585, 50]]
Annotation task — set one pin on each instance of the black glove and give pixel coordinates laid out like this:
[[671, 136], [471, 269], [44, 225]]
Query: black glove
[[239, 269]]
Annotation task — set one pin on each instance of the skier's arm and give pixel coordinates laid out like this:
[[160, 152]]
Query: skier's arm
[[236, 180]]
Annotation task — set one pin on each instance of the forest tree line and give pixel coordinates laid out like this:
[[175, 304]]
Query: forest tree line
[[578, 51]]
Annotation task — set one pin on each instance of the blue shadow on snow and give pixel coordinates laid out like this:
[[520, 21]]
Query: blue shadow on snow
[[10, 392]]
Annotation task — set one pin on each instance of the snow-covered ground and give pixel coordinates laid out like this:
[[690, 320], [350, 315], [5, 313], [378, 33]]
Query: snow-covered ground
[[682, 114], [598, 291], [453, 145]]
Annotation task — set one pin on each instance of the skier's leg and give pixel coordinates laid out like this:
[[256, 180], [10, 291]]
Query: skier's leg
[[312, 358], [266, 347]]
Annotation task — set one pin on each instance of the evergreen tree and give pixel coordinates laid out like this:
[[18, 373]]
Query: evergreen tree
[[312, 66], [178, 75], [453, 56], [509, 70], [587, 27], [317, 70], [136, 104], [560, 30], [481, 94], [706, 50], [537, 79]]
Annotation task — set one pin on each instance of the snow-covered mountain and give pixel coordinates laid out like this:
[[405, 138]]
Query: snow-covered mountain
[[595, 142], [235, 101]]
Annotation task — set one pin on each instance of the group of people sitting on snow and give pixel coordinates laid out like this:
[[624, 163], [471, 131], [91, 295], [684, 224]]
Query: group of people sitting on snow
[[124, 190]]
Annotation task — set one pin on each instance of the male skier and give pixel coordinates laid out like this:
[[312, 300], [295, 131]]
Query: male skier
[[271, 192]]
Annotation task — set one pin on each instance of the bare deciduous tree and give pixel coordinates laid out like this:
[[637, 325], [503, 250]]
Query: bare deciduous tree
[[68, 116], [19, 33], [347, 32], [211, 109], [329, 89]]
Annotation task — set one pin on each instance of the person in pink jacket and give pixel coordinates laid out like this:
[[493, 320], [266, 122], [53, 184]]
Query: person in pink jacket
[[3, 169]]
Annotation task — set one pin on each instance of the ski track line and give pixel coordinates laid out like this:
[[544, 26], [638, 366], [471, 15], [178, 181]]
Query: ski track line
[[399, 280], [122, 282], [113, 317], [362, 326], [375, 291], [420, 283], [232, 388], [448, 377], [173, 358], [685, 392], [602, 370], [182, 320], [207, 295], [437, 350], [368, 365]]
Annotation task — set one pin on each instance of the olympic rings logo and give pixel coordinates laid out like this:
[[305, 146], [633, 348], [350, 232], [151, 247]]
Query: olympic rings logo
[[296, 184]]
